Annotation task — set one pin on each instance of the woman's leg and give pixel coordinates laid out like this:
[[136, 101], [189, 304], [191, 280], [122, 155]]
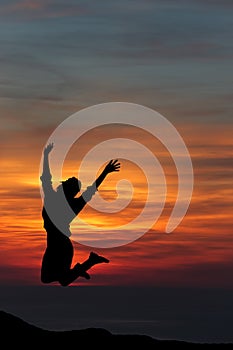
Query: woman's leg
[[48, 274], [80, 270], [57, 258]]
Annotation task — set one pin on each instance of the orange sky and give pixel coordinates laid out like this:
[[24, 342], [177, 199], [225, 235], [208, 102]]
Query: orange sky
[[198, 252], [57, 59]]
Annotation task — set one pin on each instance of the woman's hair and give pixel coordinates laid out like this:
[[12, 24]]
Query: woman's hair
[[71, 186]]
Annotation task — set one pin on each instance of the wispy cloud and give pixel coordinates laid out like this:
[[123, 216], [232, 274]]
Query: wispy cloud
[[34, 9]]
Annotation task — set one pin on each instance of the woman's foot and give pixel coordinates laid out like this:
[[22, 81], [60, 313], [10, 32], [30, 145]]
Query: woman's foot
[[82, 272], [97, 259]]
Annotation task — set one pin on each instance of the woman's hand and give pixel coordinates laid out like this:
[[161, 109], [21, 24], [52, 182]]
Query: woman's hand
[[48, 148], [113, 165]]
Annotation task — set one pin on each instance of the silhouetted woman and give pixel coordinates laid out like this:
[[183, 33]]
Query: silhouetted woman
[[60, 207]]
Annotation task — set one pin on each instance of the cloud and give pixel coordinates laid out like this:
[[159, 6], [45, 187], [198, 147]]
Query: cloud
[[35, 9]]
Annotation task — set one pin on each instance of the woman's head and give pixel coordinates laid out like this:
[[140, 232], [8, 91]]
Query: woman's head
[[71, 186]]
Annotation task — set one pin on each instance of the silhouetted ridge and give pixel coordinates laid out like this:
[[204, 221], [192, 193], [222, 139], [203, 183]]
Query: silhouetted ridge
[[9, 322], [15, 331]]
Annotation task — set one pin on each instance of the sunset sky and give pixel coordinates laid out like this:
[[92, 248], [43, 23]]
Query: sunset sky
[[175, 57]]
